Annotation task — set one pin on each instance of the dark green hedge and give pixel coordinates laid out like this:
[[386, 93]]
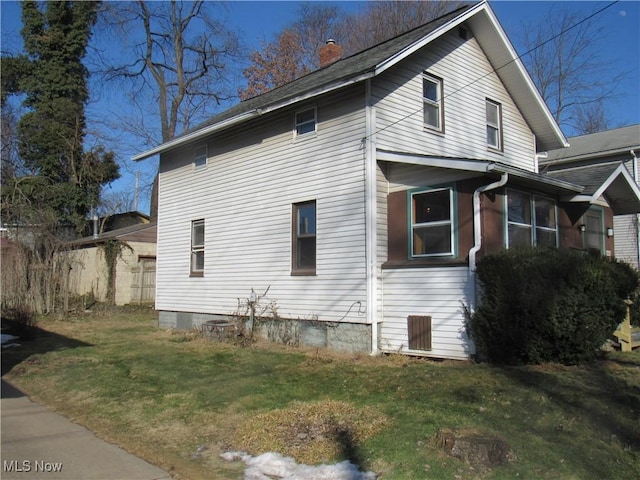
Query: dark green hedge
[[547, 305]]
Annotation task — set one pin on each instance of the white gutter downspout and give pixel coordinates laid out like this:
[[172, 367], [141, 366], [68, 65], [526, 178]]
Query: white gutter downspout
[[370, 218], [635, 179], [477, 224]]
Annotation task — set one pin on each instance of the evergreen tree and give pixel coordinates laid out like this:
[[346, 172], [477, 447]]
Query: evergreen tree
[[63, 180]]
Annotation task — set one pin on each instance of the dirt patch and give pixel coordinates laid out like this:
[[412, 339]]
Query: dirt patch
[[479, 449], [311, 433]]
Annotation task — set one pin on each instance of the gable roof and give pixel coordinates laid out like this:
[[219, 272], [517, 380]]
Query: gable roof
[[377, 59], [618, 141], [609, 180], [596, 161]]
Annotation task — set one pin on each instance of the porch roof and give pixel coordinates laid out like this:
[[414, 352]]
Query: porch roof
[[526, 178], [612, 181], [588, 184]]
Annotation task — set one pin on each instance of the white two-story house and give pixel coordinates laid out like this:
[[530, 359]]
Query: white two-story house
[[360, 196]]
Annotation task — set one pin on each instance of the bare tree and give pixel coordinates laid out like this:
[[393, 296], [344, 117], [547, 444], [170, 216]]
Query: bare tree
[[382, 20], [279, 62], [178, 54], [316, 24], [591, 119], [566, 66], [295, 51]]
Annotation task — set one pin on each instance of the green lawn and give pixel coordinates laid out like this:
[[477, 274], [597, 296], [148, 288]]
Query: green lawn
[[178, 400]]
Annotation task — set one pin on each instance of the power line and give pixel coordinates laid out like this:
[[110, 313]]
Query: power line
[[495, 70]]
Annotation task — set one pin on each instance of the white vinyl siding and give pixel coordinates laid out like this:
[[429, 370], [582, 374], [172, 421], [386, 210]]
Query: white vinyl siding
[[625, 238], [467, 80], [436, 292], [252, 178]]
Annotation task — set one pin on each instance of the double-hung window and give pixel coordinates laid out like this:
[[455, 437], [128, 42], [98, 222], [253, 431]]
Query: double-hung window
[[304, 238], [200, 156], [494, 124], [432, 98], [197, 248], [305, 122], [531, 220], [432, 222]]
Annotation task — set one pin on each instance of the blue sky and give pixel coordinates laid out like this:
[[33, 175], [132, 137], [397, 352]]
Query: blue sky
[[257, 22]]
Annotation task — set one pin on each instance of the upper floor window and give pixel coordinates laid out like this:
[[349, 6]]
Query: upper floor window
[[304, 238], [200, 156], [531, 220], [197, 247], [306, 121], [432, 223], [494, 124], [432, 98]]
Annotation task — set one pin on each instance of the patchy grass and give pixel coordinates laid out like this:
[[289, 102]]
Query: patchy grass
[[179, 400]]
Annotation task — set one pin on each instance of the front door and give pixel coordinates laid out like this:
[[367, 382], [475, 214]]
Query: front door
[[593, 235]]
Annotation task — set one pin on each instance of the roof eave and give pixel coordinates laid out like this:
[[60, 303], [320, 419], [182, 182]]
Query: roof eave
[[198, 134], [245, 116], [590, 155], [482, 166]]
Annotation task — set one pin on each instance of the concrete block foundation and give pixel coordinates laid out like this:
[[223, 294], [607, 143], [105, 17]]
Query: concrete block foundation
[[347, 337]]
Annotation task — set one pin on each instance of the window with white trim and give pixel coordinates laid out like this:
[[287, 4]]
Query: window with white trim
[[200, 156], [305, 122], [433, 103], [197, 247], [531, 220], [304, 238], [432, 223], [494, 124]]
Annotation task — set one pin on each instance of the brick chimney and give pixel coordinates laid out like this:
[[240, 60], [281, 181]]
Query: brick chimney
[[330, 53]]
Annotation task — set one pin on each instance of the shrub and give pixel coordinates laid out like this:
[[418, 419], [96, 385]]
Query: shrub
[[547, 305]]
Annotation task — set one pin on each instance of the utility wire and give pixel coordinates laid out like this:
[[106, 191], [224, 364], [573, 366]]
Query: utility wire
[[495, 70]]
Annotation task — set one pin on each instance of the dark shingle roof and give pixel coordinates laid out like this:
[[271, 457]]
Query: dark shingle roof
[[347, 68], [591, 177], [604, 143]]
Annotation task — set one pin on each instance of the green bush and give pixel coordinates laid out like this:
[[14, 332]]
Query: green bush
[[547, 305]]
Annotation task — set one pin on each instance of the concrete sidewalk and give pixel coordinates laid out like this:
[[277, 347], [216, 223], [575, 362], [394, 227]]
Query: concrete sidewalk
[[39, 444]]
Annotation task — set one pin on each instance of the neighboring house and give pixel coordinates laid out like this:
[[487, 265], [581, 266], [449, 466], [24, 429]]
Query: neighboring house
[[595, 160], [133, 278], [115, 221], [360, 196]]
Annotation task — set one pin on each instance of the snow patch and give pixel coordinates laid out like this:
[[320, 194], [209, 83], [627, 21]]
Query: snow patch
[[271, 466], [5, 338]]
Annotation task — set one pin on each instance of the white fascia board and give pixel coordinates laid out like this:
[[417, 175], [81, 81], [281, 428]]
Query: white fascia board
[[585, 199], [441, 162], [249, 115], [526, 78], [405, 52], [316, 93], [621, 170], [171, 144], [592, 155]]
